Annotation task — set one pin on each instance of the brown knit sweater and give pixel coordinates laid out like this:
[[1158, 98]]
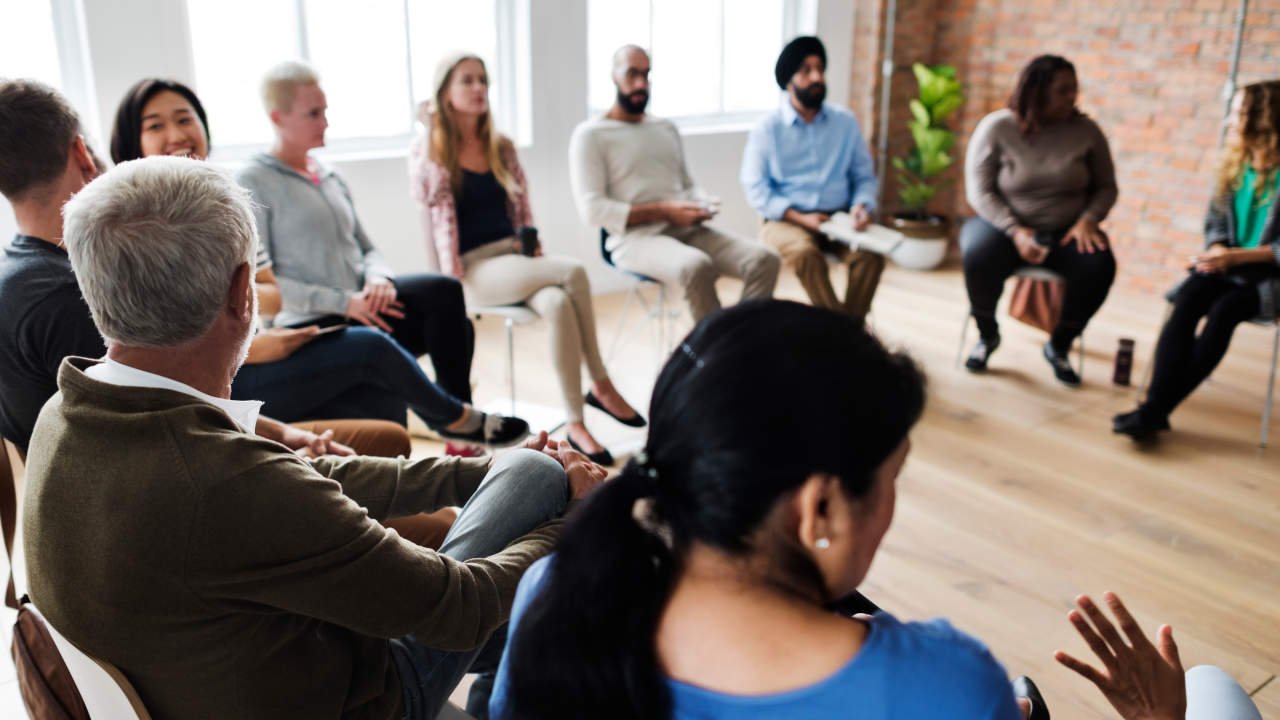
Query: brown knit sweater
[[1045, 181], [227, 577]]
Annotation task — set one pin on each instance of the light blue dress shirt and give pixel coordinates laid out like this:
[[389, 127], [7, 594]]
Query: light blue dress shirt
[[820, 165]]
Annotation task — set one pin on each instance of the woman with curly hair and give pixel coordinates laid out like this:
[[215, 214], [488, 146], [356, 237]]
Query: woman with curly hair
[[1237, 277]]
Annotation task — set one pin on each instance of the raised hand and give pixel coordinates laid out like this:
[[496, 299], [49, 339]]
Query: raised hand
[[1142, 681]]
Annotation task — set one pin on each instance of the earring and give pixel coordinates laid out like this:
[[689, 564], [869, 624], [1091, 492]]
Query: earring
[[822, 543]]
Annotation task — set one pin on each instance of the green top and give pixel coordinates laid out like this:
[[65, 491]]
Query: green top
[[1252, 209]]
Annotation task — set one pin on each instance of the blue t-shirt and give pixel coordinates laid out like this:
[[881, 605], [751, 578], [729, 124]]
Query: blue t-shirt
[[904, 671]]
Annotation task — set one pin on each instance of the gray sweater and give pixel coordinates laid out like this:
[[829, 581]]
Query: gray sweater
[[310, 231], [1045, 181]]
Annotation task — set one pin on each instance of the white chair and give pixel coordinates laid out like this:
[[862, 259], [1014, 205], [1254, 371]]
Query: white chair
[[1030, 272], [539, 417], [660, 312], [106, 692]]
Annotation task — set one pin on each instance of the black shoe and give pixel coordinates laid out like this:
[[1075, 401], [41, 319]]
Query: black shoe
[[1138, 426], [634, 421], [1024, 688], [1061, 366], [981, 352], [604, 457], [495, 430]]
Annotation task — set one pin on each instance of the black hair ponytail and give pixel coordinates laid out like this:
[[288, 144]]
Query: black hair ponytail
[[609, 581]]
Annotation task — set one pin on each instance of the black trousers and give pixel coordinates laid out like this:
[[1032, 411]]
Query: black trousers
[[990, 257], [1183, 358], [435, 323]]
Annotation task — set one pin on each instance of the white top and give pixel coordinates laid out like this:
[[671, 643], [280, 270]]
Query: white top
[[243, 412], [614, 164]]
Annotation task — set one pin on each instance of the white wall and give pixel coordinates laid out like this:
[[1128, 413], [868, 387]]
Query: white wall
[[130, 40]]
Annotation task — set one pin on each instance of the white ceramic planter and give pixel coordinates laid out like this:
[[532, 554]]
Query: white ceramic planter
[[918, 254]]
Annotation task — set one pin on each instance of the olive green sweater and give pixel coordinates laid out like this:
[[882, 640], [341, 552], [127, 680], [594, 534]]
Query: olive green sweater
[[229, 578]]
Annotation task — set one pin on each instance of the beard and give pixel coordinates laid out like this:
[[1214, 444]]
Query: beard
[[635, 103], [811, 97]]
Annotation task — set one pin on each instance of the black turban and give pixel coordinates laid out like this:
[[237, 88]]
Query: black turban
[[793, 55]]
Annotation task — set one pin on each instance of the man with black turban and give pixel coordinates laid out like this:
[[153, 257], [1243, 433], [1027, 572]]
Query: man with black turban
[[803, 163]]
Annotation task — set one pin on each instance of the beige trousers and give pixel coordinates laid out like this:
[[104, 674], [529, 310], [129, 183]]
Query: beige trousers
[[802, 250], [558, 290], [692, 258]]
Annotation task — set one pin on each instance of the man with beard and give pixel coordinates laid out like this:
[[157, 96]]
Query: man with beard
[[803, 163], [629, 177]]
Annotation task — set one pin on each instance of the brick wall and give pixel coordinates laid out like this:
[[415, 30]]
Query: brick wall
[[1151, 74]]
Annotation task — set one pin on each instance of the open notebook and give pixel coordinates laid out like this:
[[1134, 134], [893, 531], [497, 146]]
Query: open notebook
[[876, 238]]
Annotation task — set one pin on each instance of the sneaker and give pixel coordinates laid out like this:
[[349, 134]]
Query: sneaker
[[1138, 426], [495, 431], [981, 352], [1061, 366]]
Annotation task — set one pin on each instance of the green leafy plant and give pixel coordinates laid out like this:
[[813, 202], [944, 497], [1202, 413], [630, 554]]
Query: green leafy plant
[[940, 94]]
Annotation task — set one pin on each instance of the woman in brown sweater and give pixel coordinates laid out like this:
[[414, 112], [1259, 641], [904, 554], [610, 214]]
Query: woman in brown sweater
[[1040, 176]]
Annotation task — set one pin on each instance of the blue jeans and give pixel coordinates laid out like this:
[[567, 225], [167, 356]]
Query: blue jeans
[[357, 373], [523, 490]]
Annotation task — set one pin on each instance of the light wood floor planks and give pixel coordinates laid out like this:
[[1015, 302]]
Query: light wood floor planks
[[1017, 496]]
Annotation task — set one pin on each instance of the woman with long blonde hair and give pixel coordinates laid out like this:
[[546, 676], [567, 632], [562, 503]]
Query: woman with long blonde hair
[[475, 202], [1237, 276]]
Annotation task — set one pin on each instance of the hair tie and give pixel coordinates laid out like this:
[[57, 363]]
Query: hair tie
[[644, 511], [693, 356]]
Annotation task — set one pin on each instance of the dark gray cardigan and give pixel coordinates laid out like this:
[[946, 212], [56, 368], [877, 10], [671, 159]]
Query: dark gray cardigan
[[1220, 228]]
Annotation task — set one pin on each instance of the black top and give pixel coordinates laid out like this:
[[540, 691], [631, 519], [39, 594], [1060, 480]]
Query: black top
[[482, 211], [43, 318]]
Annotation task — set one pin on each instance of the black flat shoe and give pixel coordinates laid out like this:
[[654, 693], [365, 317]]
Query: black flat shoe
[[1061, 367], [1024, 688], [635, 421], [604, 457], [1137, 426], [977, 361]]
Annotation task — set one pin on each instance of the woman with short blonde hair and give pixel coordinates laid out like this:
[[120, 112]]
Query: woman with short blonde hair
[[475, 202]]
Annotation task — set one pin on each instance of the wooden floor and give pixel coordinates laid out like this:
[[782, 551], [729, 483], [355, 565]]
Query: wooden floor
[[1017, 496]]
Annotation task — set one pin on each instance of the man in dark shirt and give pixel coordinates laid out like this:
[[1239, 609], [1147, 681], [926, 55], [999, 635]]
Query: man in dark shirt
[[44, 160]]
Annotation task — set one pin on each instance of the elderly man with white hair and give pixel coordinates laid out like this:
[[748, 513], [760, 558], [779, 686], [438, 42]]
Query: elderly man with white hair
[[223, 574]]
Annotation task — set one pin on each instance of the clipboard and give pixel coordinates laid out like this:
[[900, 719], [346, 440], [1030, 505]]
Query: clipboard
[[876, 238]]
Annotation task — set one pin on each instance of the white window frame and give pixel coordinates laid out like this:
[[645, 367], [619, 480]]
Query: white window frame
[[798, 17], [513, 103]]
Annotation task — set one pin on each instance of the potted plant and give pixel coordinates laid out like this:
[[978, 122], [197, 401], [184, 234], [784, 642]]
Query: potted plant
[[940, 94]]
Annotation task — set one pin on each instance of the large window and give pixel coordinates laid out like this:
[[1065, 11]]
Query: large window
[[43, 40], [711, 58], [376, 61]]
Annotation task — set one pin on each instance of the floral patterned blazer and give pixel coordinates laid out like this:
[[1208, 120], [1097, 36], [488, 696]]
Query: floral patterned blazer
[[429, 184]]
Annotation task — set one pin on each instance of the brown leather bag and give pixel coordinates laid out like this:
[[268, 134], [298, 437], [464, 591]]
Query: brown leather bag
[[1037, 303], [43, 678]]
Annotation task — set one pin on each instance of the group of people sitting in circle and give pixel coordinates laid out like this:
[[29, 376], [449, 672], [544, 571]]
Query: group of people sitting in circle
[[234, 565]]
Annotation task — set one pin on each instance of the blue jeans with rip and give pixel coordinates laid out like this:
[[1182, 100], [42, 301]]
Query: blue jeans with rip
[[523, 490]]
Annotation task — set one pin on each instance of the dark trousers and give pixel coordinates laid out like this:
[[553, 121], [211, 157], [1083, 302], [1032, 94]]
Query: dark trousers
[[1183, 358], [435, 323], [990, 257], [357, 373]]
